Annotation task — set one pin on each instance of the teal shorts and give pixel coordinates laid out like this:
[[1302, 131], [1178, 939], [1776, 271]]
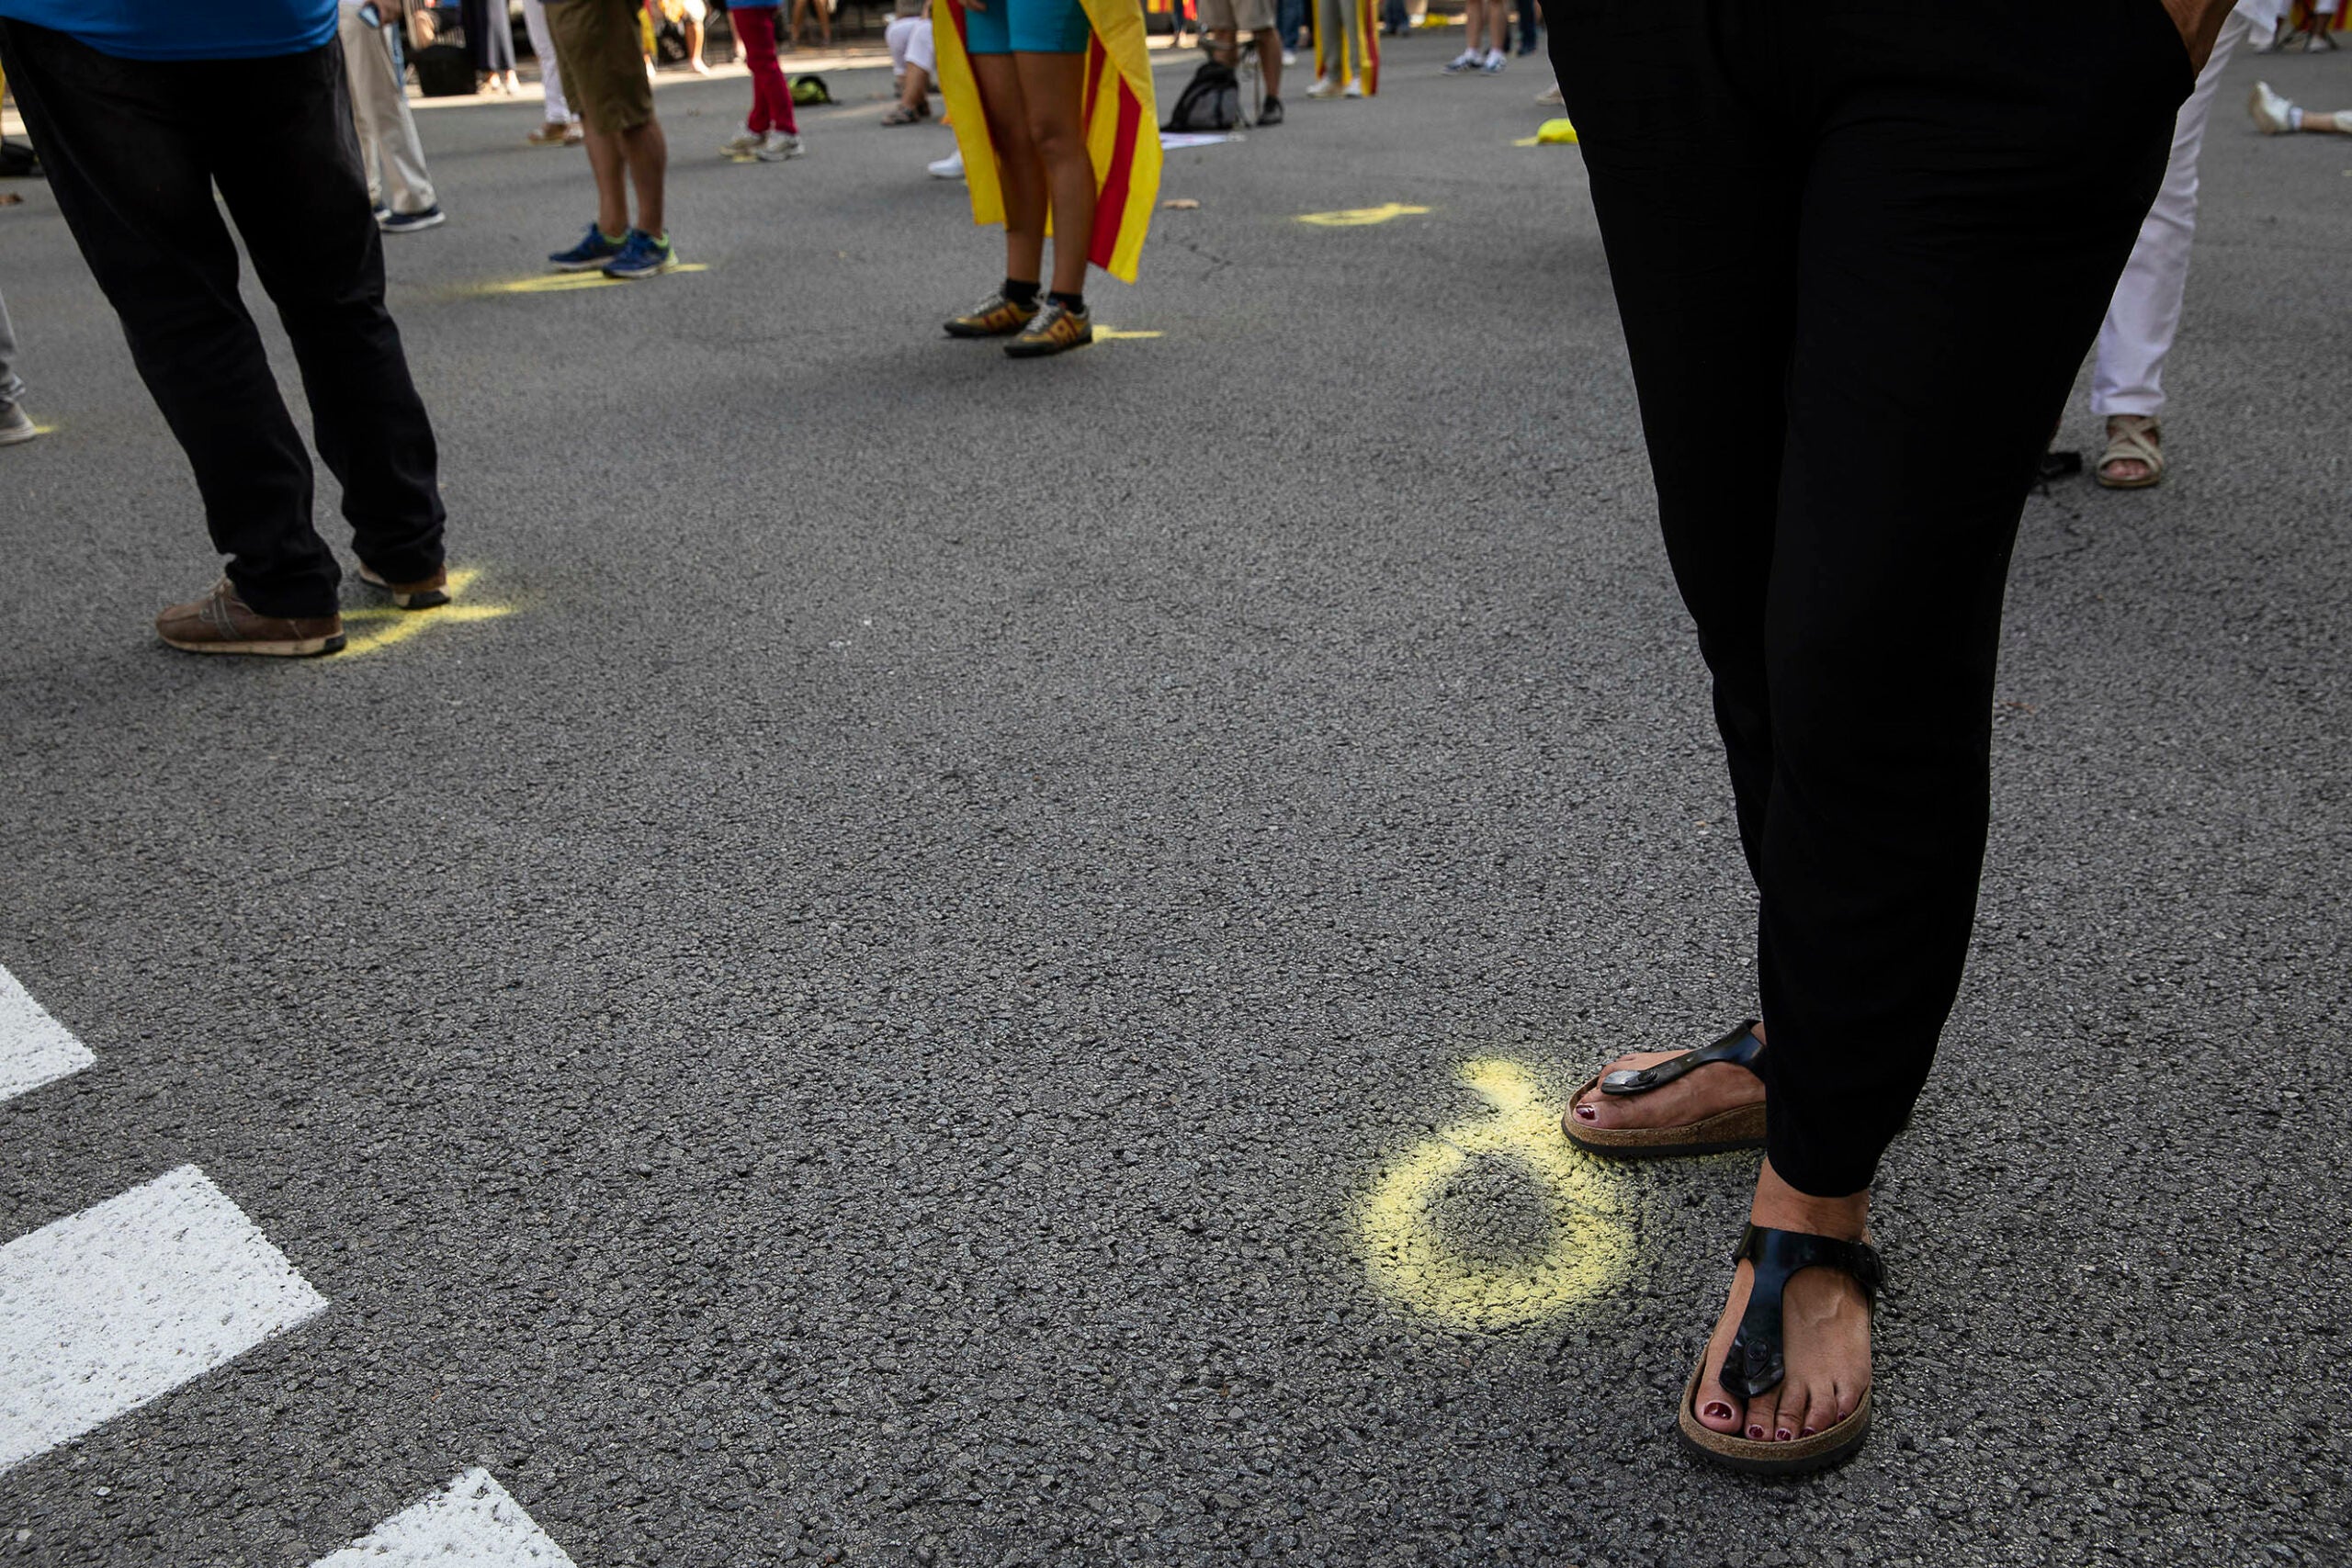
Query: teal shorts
[[1026, 27]]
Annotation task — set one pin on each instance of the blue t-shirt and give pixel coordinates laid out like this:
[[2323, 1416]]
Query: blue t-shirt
[[184, 30]]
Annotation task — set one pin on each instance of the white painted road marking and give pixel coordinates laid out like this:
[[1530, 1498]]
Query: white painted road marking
[[124, 1302], [471, 1523], [35, 1048]]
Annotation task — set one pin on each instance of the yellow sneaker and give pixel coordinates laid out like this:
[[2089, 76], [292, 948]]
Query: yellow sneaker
[[1057, 329], [995, 316]]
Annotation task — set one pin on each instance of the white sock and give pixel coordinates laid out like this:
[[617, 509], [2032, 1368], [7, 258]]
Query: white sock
[[2294, 119]]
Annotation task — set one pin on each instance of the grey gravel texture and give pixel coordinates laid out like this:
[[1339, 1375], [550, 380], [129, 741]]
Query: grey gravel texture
[[854, 1023]]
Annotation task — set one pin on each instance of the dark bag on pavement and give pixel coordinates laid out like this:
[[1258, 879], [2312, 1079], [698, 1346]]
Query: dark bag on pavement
[[1210, 101], [443, 70], [807, 90]]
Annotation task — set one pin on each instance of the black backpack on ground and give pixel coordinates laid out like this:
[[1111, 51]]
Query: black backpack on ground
[[1210, 101]]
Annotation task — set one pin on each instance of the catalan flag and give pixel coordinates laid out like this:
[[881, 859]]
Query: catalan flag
[[1122, 127], [1357, 54]]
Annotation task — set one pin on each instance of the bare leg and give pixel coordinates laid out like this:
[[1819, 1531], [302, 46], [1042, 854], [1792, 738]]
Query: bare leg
[[694, 46], [1270, 61], [648, 153], [609, 160], [1053, 86], [916, 90], [1023, 172]]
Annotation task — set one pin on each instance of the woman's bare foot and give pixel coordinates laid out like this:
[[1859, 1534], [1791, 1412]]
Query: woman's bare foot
[[1698, 1094], [1826, 1325]]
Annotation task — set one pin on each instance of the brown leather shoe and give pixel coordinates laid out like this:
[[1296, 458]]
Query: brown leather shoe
[[422, 594], [222, 622]]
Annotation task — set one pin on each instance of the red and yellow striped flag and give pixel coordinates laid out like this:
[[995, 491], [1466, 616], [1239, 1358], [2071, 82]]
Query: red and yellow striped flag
[[1360, 50], [1122, 127]]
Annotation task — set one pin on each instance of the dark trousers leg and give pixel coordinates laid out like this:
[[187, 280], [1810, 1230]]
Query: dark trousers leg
[[134, 149], [1859, 255]]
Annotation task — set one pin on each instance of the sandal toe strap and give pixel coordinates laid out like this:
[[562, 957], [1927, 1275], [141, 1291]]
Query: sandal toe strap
[[1756, 1362], [1740, 1048]]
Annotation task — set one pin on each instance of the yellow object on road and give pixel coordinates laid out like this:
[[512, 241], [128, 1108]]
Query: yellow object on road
[[1413, 1259], [1553, 132]]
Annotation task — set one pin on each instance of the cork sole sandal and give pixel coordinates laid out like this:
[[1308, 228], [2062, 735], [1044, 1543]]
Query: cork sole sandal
[[1754, 1366], [1740, 1128]]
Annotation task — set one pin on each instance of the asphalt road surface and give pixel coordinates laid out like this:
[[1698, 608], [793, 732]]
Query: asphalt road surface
[[968, 963]]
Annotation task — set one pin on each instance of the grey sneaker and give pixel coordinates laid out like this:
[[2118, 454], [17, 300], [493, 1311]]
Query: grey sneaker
[[16, 425], [778, 147]]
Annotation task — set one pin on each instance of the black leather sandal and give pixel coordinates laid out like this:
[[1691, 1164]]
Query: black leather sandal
[[1754, 1366], [1741, 1128]]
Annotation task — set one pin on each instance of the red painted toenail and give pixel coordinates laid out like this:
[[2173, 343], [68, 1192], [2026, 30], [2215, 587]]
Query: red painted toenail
[[1757, 1433], [1586, 1113], [1718, 1411], [1808, 1432], [1782, 1435]]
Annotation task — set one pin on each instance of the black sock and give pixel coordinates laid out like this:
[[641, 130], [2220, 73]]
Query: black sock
[[1074, 303], [1021, 293]]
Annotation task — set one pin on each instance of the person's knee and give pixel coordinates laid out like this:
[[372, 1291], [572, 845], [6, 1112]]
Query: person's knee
[[1056, 138]]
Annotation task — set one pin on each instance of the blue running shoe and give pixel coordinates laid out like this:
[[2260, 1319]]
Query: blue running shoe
[[590, 253], [642, 255]]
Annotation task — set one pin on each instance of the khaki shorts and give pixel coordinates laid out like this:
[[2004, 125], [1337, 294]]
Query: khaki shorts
[[1223, 15], [599, 45]]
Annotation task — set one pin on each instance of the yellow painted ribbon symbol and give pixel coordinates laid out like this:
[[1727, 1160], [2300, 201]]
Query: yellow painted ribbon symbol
[[1591, 1250]]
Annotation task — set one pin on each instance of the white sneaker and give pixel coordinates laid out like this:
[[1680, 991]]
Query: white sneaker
[[16, 425], [1494, 62], [778, 147], [2273, 116], [1550, 95], [951, 167], [742, 144], [1355, 89], [1290, 57], [1324, 88], [1468, 60]]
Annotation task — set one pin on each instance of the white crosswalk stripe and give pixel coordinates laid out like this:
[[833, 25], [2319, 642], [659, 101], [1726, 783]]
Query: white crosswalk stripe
[[107, 1309], [35, 1048], [471, 1523]]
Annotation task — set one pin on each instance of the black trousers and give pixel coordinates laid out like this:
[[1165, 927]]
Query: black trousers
[[133, 149], [1859, 248]]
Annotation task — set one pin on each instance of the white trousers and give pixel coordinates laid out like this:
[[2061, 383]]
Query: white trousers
[[2144, 314], [535, 20], [387, 144], [910, 42]]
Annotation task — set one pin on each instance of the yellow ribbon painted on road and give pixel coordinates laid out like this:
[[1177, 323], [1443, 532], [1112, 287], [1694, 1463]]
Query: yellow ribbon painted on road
[[1591, 1250], [366, 631], [1362, 217]]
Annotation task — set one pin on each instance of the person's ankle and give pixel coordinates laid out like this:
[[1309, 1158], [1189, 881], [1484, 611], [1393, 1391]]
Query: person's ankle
[[1780, 1206]]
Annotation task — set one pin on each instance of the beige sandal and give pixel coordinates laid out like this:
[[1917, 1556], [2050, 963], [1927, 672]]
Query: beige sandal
[[2133, 437], [1741, 1127]]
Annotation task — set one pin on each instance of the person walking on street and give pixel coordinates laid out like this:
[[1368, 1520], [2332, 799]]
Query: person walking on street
[[399, 186], [1038, 139], [1347, 49], [2127, 378], [489, 41], [596, 43], [560, 127], [16, 425], [143, 109], [824, 21], [1225, 21], [1907, 224], [2274, 116], [1487, 20], [770, 133]]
